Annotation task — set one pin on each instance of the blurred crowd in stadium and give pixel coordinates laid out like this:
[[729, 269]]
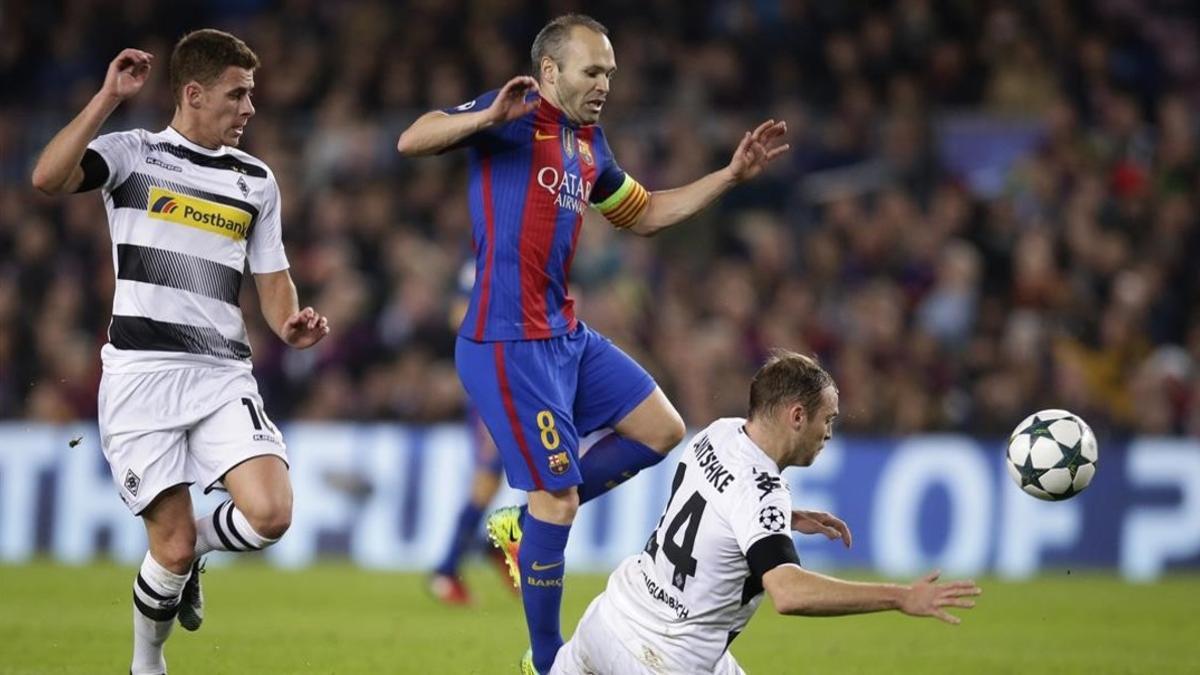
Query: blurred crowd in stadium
[[988, 208]]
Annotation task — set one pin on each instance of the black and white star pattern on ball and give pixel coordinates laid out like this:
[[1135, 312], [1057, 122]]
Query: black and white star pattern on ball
[[1072, 456], [1037, 427], [1029, 475], [772, 518]]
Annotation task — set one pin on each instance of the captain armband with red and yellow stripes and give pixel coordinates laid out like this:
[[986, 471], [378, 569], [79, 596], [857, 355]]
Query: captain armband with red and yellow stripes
[[626, 205]]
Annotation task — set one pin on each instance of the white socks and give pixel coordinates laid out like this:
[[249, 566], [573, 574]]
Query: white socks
[[156, 590], [226, 529], [155, 603]]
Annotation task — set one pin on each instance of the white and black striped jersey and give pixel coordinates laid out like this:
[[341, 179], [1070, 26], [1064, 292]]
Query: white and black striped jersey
[[184, 220], [698, 581]]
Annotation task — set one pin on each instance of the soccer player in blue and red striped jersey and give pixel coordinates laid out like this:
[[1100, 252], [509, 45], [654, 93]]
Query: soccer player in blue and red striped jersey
[[446, 583], [540, 378]]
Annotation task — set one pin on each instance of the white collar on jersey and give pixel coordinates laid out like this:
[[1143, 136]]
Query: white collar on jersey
[[179, 138]]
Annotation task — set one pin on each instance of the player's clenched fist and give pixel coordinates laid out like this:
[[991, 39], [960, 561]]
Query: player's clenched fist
[[127, 73]]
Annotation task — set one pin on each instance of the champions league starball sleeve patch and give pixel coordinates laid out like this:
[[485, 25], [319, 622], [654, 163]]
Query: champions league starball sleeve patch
[[772, 519]]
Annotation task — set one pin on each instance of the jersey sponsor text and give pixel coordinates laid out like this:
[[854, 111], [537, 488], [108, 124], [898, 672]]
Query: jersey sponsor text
[[184, 222], [570, 191], [661, 595], [227, 221]]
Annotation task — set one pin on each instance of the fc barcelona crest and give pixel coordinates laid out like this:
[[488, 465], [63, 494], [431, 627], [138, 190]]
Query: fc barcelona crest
[[585, 152], [559, 463], [568, 142]]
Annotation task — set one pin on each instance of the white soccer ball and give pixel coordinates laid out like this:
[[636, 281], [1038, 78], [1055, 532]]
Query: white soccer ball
[[1052, 455]]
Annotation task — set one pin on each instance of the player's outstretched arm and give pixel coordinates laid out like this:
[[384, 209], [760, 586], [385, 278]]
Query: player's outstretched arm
[[299, 328], [436, 131], [797, 591], [57, 170], [757, 149]]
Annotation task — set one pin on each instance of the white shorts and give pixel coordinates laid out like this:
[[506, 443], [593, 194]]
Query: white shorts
[[596, 649], [189, 425]]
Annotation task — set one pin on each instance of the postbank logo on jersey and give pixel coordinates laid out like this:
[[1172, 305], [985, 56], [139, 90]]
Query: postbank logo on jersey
[[569, 190], [227, 221]]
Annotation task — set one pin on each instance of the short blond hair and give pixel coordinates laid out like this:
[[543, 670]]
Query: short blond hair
[[788, 377]]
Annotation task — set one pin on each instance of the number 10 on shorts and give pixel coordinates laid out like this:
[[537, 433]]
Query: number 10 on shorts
[[258, 417]]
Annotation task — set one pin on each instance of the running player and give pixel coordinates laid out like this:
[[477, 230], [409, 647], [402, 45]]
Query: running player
[[723, 539], [446, 584], [178, 403], [540, 378]]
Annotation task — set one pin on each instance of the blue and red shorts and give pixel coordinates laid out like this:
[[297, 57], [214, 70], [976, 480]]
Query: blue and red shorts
[[487, 457], [539, 397]]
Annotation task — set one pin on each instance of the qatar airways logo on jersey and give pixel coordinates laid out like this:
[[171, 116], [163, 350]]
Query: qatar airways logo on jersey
[[569, 190]]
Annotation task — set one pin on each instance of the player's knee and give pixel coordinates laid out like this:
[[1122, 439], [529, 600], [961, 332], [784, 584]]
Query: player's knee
[[568, 506], [669, 433], [275, 527], [555, 507], [563, 509], [275, 522], [269, 518], [176, 550]]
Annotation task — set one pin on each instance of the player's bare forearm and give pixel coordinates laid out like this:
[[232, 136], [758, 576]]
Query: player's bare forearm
[[757, 149], [278, 299], [435, 131], [667, 207], [797, 591], [298, 328], [57, 170], [800, 592]]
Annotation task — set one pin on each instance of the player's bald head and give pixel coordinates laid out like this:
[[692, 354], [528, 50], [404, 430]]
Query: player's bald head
[[552, 40]]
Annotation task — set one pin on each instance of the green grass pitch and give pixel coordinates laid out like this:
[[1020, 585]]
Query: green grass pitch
[[337, 619]]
